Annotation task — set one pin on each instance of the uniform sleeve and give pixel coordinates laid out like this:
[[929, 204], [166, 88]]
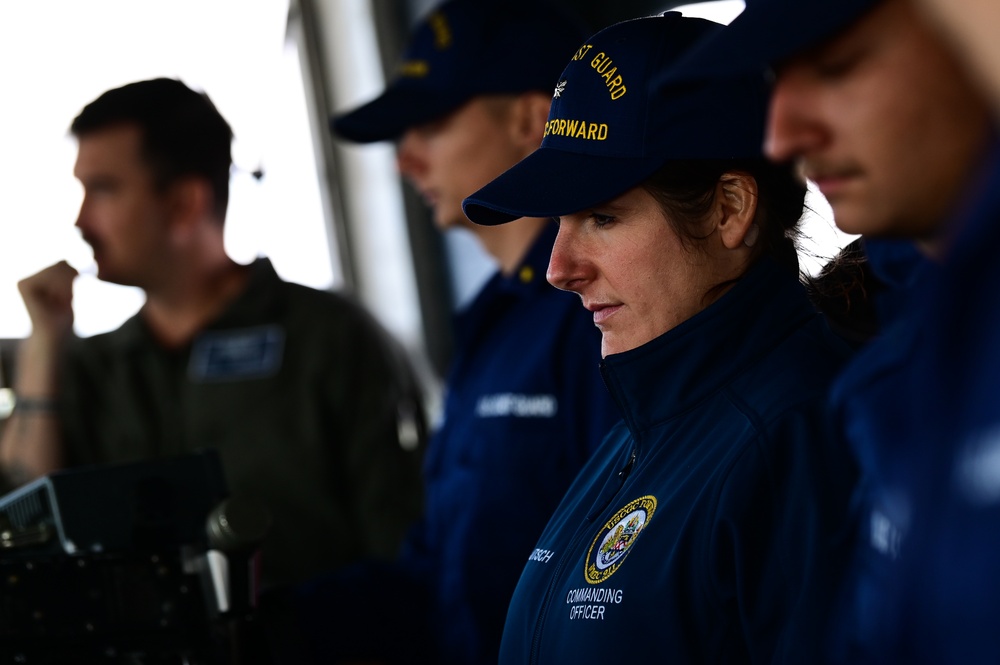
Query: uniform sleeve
[[781, 540], [378, 433]]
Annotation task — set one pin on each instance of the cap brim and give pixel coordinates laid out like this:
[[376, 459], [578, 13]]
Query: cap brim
[[390, 114], [552, 183], [766, 33]]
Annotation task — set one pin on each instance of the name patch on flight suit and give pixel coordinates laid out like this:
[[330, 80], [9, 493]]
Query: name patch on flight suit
[[237, 355]]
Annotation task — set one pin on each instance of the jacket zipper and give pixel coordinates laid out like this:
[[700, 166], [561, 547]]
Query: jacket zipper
[[547, 599], [568, 552]]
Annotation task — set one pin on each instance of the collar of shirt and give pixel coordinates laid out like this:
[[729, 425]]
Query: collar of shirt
[[260, 295], [667, 376], [502, 291]]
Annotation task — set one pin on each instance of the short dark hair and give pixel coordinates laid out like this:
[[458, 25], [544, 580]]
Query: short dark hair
[[685, 190], [183, 134]]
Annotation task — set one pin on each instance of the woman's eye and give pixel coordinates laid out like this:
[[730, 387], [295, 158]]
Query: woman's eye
[[601, 220]]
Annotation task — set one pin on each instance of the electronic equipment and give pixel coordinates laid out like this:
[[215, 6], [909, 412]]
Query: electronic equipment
[[144, 562]]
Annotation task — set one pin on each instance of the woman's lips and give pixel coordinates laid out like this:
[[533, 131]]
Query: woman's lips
[[603, 312]]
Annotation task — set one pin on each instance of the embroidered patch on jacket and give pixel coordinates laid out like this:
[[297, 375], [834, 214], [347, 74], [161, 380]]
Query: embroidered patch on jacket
[[616, 538], [515, 405], [237, 354]]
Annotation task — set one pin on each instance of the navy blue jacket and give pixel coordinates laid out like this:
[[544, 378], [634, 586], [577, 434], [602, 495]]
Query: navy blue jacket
[[876, 425], [709, 526], [525, 407], [945, 603]]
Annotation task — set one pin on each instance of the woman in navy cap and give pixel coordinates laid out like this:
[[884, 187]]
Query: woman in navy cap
[[709, 526]]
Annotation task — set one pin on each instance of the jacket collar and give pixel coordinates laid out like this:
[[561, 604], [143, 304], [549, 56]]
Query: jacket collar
[[674, 372], [526, 280], [260, 296]]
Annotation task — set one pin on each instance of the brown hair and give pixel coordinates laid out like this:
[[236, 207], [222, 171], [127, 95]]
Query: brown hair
[[685, 190]]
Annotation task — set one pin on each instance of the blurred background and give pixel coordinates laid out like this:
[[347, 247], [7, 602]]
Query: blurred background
[[328, 215]]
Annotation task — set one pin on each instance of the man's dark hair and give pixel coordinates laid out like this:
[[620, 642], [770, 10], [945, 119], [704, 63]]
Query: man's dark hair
[[183, 134]]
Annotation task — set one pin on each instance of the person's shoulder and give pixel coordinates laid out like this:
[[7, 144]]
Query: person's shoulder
[[785, 403], [782, 401], [791, 445], [326, 299], [327, 307], [111, 342]]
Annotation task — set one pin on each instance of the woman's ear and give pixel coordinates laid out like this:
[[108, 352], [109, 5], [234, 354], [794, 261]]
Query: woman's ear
[[737, 197]]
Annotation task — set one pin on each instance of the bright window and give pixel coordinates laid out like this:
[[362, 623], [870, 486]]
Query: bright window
[[60, 55]]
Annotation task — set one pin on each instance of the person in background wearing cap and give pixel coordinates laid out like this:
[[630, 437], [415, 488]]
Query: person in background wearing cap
[[972, 25], [705, 529], [525, 406], [948, 590], [299, 391], [950, 595], [875, 107]]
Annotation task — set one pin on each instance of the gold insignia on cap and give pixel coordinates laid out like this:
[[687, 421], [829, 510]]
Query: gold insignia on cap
[[578, 129], [583, 51], [414, 69], [442, 31]]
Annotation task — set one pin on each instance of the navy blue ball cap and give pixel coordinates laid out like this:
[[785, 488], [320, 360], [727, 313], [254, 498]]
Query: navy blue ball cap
[[463, 49], [614, 122], [769, 31]]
